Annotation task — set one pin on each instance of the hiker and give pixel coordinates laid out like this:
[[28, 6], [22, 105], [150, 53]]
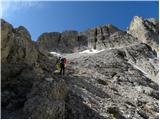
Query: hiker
[[63, 61]]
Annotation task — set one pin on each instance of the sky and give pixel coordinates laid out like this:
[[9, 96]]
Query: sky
[[52, 16]]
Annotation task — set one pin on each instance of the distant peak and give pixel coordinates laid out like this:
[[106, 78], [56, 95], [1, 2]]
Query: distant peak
[[137, 17]]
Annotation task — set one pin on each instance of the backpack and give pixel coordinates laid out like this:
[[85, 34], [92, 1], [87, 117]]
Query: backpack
[[64, 60]]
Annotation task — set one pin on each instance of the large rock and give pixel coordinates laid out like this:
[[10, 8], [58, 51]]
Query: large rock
[[146, 30], [18, 54], [69, 40], [46, 100], [66, 42], [99, 34], [107, 37], [49, 41], [21, 65], [17, 45]]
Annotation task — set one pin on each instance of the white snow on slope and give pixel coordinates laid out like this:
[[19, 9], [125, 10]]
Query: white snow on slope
[[135, 66], [91, 51], [83, 52], [55, 54]]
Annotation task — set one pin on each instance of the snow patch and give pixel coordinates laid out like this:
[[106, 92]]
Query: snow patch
[[135, 66], [56, 54], [92, 51]]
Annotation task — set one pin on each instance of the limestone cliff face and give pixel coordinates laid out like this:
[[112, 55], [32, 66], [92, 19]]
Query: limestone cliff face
[[66, 42], [146, 30], [17, 45], [49, 41], [101, 37], [107, 37], [21, 65]]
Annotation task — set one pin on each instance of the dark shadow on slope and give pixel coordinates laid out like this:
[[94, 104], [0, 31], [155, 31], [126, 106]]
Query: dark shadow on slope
[[18, 114], [76, 109]]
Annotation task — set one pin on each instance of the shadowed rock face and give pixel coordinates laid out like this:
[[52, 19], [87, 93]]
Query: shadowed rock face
[[101, 37], [46, 99], [18, 56], [21, 65], [49, 41], [65, 42], [121, 81], [146, 30], [17, 45]]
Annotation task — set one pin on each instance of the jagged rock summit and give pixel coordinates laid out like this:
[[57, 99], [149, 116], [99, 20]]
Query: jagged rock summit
[[102, 37], [146, 30], [119, 80]]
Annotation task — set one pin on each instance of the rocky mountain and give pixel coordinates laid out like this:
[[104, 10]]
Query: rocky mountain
[[111, 85], [22, 66], [146, 30], [120, 80], [102, 37], [65, 42]]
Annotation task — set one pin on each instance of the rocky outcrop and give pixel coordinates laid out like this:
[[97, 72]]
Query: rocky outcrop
[[98, 36], [49, 41], [46, 100], [146, 30], [111, 39], [16, 45], [101, 37], [65, 42], [22, 64], [18, 56]]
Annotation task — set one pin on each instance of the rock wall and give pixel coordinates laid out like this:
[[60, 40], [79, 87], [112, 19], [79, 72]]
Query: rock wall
[[65, 42], [107, 37], [17, 45], [49, 41], [18, 56], [146, 30], [22, 64], [101, 37]]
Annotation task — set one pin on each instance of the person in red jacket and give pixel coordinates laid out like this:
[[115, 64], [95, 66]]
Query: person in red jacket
[[63, 61]]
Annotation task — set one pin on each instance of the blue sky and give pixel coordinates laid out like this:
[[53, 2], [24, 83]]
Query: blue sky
[[40, 17]]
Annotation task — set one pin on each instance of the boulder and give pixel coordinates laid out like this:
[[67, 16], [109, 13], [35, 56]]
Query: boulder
[[46, 100]]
